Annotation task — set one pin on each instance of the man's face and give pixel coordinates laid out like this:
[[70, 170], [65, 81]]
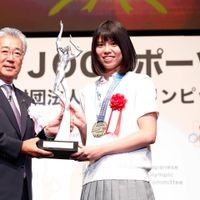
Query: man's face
[[11, 57]]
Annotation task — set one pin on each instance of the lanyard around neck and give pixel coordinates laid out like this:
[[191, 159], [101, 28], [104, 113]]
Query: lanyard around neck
[[116, 80]]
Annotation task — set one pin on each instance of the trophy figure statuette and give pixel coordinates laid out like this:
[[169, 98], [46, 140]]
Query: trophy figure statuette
[[62, 146]]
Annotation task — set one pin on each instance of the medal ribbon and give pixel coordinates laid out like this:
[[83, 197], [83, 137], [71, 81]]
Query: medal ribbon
[[117, 103], [102, 113]]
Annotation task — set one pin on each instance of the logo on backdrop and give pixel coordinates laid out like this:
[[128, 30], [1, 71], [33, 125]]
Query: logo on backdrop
[[150, 62], [194, 137]]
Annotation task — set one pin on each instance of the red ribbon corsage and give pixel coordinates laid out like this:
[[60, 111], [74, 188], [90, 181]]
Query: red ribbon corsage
[[117, 102]]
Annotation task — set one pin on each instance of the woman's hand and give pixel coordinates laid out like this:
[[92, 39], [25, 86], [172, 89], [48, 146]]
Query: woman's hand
[[77, 117], [87, 153], [53, 126], [78, 120]]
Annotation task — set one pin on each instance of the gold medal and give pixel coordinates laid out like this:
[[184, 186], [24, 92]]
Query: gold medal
[[99, 129]]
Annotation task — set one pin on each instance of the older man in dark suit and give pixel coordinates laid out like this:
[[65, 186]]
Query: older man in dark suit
[[17, 136]]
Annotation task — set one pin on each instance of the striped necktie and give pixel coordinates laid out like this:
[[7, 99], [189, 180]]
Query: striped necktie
[[9, 91]]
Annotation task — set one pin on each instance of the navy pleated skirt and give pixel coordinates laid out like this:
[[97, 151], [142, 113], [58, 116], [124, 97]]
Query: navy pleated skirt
[[117, 190]]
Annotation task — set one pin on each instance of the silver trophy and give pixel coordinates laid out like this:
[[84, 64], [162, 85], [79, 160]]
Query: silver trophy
[[65, 55], [62, 146]]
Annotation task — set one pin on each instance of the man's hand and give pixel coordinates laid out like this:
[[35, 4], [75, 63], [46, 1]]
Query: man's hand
[[29, 147]]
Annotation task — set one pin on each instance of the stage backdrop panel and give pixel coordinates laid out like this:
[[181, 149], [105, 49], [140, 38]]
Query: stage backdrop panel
[[174, 65], [84, 15]]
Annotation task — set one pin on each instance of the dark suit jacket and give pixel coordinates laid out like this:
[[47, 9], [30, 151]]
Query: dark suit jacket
[[13, 164]]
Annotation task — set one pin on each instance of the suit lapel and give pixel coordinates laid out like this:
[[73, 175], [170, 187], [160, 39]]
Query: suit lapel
[[23, 109]]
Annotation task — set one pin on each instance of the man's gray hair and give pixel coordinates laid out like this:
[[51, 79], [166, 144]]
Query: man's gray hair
[[7, 31]]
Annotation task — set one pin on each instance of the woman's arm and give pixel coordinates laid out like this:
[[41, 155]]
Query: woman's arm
[[145, 136], [78, 120]]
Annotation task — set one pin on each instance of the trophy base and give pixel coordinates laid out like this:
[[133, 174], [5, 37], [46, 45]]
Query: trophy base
[[60, 149]]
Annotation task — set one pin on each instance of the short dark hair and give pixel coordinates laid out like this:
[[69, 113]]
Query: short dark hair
[[113, 30]]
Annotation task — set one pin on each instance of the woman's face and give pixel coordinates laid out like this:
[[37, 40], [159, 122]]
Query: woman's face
[[109, 54]]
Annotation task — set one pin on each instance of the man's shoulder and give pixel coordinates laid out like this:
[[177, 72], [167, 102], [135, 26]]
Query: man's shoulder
[[23, 94]]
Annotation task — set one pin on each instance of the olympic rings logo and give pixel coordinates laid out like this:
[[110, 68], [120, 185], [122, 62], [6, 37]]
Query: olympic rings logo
[[194, 138]]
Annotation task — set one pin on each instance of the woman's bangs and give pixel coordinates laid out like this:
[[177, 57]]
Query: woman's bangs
[[106, 36]]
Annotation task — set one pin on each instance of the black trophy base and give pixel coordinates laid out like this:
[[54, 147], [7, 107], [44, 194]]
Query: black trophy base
[[60, 149]]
